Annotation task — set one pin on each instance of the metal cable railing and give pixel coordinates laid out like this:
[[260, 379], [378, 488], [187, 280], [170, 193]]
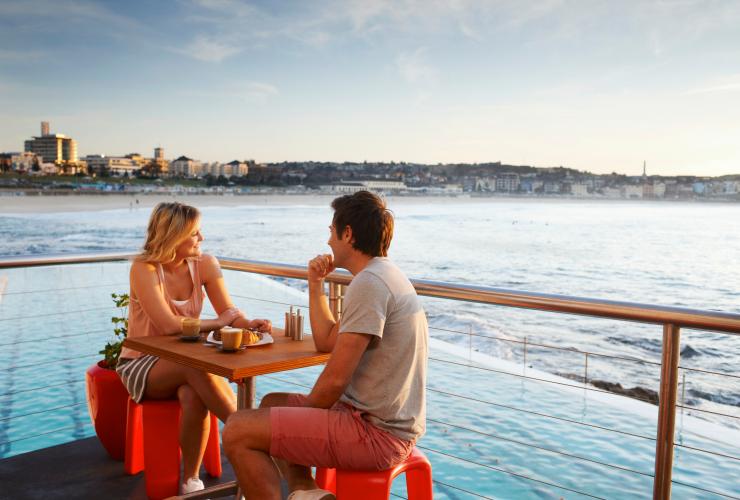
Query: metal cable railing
[[710, 412], [519, 375], [575, 350], [672, 319], [706, 490], [67, 288], [61, 313], [40, 434], [658, 315], [55, 337], [293, 383], [570, 350], [47, 410], [46, 386], [257, 299], [511, 473], [457, 488], [50, 362], [541, 448], [563, 384], [545, 415]]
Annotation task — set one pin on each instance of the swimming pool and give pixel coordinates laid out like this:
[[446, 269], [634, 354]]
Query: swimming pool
[[491, 432]]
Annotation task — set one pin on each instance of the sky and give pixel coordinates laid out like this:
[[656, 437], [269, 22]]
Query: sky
[[593, 85]]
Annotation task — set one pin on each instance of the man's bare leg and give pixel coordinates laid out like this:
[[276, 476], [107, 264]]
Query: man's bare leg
[[246, 440]]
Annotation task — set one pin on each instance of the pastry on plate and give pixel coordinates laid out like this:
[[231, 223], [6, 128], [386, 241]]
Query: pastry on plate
[[250, 337]]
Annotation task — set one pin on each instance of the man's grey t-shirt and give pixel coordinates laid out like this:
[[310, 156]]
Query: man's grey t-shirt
[[389, 382]]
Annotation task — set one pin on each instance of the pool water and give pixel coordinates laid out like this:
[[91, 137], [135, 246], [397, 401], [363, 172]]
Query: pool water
[[490, 433]]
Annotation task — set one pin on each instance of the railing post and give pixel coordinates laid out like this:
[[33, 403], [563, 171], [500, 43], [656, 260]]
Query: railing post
[[470, 343], [683, 399], [336, 296], [667, 412], [524, 364]]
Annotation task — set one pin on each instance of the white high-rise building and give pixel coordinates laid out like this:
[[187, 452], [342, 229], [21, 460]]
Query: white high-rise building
[[54, 148]]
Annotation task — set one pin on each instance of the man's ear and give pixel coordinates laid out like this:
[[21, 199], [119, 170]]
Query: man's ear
[[347, 236]]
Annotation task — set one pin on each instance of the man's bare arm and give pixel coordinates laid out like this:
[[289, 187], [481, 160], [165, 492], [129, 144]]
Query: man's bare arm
[[338, 371], [323, 326]]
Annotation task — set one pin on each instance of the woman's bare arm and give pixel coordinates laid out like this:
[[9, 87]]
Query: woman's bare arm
[[148, 290], [219, 295]]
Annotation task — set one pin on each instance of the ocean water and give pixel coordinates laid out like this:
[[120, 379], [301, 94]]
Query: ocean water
[[490, 432], [678, 254], [484, 421]]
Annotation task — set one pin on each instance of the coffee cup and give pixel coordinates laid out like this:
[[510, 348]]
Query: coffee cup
[[190, 328], [231, 338]]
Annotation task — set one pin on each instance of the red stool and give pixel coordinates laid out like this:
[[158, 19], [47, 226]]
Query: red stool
[[376, 485], [152, 445]]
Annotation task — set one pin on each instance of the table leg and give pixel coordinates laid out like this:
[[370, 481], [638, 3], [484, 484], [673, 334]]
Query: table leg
[[245, 397], [245, 393]]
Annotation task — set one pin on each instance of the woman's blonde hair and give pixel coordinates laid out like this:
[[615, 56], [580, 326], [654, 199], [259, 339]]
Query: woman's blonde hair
[[169, 225]]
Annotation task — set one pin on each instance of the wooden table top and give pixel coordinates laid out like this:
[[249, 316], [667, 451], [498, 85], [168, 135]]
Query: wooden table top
[[282, 355]]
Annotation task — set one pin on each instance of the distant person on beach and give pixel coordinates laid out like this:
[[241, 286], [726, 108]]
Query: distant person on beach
[[167, 281], [367, 408]]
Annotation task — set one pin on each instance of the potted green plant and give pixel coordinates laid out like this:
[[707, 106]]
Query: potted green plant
[[107, 398]]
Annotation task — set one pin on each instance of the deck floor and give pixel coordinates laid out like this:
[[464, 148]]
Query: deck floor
[[80, 469]]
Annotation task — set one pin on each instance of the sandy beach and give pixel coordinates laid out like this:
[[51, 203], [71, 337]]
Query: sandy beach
[[45, 203], [33, 203], [90, 202]]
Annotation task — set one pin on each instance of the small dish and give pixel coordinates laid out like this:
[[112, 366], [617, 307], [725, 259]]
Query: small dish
[[221, 348], [190, 338], [266, 339]]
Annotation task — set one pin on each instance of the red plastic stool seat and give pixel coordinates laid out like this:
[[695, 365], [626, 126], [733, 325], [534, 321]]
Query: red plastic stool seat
[[376, 485], [152, 445]]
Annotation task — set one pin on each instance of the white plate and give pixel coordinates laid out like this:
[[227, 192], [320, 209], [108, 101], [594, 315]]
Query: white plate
[[266, 339]]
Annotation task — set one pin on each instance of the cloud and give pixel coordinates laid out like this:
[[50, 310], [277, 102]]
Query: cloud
[[363, 14], [413, 67], [20, 55], [257, 91], [251, 92], [64, 13], [205, 48], [227, 8], [727, 84], [469, 31]]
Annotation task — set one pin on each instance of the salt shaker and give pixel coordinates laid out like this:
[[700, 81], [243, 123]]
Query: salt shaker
[[299, 328], [289, 323]]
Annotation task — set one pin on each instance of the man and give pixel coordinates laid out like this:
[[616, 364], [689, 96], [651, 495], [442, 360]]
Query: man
[[367, 408]]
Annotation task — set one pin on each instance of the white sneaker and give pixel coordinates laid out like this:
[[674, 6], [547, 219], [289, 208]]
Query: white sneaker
[[191, 485], [317, 494]]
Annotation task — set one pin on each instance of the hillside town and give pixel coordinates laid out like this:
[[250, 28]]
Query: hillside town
[[50, 161]]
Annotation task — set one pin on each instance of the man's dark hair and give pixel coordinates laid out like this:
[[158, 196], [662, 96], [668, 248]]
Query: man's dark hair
[[370, 220]]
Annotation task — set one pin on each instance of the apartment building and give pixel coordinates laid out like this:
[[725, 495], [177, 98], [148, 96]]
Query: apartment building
[[186, 167], [114, 165], [54, 148]]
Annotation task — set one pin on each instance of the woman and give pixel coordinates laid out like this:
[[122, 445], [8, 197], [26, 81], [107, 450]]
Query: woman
[[167, 281]]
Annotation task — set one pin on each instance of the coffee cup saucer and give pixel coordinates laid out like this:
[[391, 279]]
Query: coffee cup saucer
[[221, 348], [265, 338]]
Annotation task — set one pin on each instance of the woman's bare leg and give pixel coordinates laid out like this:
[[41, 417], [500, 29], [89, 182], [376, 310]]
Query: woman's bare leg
[[166, 377], [194, 428]]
